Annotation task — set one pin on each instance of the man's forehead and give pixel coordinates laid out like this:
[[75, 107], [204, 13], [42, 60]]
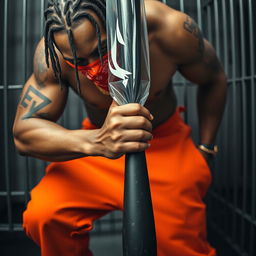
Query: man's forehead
[[84, 36]]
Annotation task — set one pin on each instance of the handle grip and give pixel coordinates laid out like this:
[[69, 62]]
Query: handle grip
[[139, 236]]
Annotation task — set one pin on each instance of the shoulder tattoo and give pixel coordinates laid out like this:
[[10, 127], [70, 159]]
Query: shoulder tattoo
[[40, 67], [191, 26], [34, 101]]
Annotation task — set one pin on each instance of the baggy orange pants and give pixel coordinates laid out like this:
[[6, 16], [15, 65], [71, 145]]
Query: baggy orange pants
[[73, 194]]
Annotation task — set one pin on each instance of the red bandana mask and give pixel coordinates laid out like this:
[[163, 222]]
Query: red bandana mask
[[97, 72]]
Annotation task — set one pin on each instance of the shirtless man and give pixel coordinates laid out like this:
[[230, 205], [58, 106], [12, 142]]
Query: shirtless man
[[86, 179]]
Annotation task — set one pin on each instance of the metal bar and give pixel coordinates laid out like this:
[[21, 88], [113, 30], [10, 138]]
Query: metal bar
[[13, 193], [215, 31], [238, 79], [24, 36], [182, 7], [219, 176], [244, 124], [225, 33], [10, 87], [24, 70], [209, 23], [42, 17], [234, 209], [227, 239], [216, 23], [199, 13], [226, 125], [15, 227], [253, 116], [253, 122], [6, 120], [207, 2], [234, 107], [184, 83], [230, 81]]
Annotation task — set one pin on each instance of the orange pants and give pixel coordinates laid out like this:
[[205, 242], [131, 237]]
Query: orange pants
[[73, 194]]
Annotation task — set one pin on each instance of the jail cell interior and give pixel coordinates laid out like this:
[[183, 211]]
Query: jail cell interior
[[230, 26]]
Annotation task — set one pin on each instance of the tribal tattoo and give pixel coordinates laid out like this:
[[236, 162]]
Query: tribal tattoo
[[36, 105], [191, 26]]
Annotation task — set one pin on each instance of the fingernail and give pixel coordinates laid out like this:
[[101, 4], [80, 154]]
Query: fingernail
[[151, 116]]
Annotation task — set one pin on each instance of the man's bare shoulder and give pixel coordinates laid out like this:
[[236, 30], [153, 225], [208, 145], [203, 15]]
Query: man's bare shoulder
[[44, 74], [177, 33], [158, 13]]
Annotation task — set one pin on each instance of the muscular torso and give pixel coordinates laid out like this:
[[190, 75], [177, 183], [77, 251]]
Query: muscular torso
[[175, 43], [161, 101]]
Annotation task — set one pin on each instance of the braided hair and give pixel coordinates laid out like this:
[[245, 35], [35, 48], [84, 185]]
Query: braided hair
[[63, 15]]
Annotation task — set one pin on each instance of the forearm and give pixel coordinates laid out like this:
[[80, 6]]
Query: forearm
[[211, 100], [50, 142]]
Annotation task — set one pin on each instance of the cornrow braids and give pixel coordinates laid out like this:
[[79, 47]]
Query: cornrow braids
[[62, 15]]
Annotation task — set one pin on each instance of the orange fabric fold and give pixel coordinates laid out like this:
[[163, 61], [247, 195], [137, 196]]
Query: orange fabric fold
[[73, 194]]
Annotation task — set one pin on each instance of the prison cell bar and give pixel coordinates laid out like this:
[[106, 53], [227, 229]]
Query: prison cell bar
[[217, 48], [184, 84], [234, 120], [6, 120], [253, 130], [225, 123], [244, 122], [42, 16], [24, 70], [199, 13]]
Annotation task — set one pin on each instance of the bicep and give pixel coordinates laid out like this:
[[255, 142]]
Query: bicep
[[204, 70], [195, 58], [42, 96]]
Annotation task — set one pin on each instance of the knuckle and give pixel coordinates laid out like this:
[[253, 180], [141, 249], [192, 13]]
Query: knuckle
[[138, 146], [142, 121], [141, 134], [137, 108], [115, 136], [113, 110], [117, 148], [114, 123]]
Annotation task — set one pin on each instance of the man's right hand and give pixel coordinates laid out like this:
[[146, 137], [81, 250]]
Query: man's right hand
[[126, 129]]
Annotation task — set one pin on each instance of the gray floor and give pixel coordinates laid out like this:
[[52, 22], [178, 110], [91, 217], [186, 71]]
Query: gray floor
[[102, 245], [106, 245]]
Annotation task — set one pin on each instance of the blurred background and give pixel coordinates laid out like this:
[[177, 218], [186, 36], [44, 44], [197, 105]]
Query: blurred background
[[230, 25]]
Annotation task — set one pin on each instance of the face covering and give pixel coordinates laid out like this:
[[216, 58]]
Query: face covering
[[96, 72]]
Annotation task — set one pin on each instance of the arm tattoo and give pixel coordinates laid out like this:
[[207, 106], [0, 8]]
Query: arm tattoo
[[191, 26], [40, 67], [36, 105]]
